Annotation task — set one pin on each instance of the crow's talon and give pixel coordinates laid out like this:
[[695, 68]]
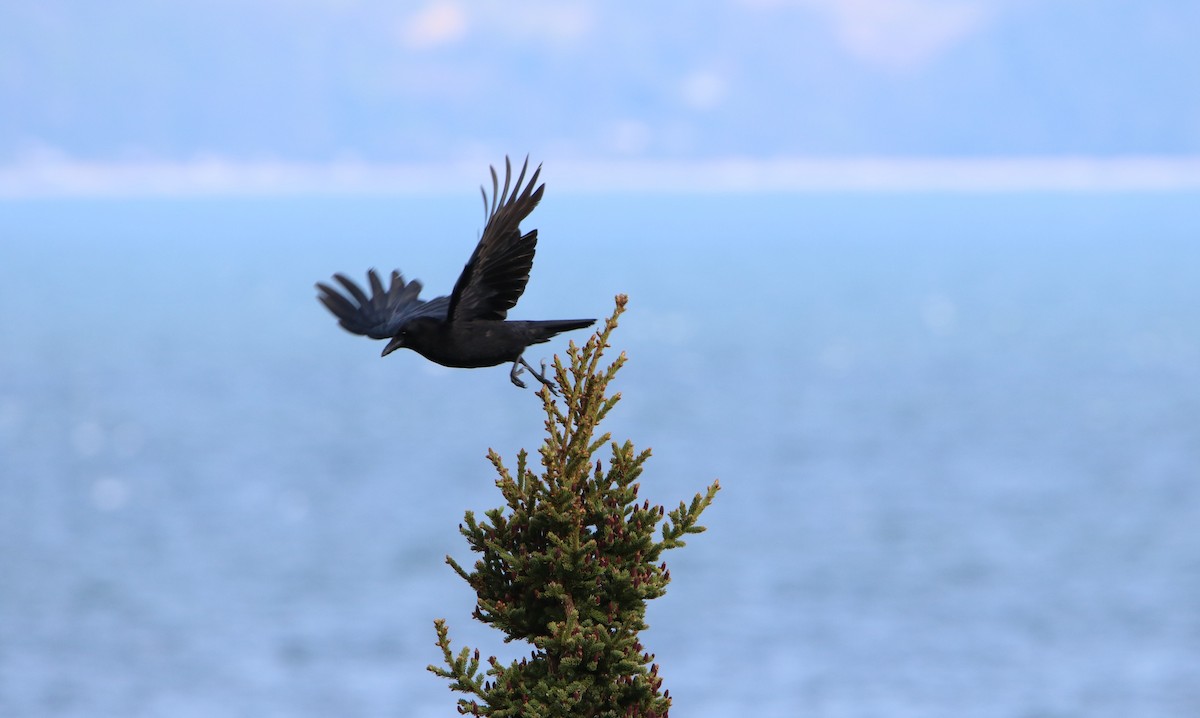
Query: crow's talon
[[516, 371], [539, 376]]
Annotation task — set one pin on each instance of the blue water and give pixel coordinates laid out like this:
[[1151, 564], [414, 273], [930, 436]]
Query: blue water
[[958, 437]]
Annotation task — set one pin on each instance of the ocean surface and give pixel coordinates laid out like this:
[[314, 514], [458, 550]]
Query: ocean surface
[[958, 437]]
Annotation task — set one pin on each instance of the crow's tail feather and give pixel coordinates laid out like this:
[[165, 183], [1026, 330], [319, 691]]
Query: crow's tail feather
[[543, 330]]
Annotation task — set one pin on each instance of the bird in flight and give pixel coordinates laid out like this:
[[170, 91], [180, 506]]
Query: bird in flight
[[469, 328]]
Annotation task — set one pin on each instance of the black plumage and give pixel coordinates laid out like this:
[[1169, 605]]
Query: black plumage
[[469, 328]]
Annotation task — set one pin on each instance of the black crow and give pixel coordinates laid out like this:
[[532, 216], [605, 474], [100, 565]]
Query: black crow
[[468, 328]]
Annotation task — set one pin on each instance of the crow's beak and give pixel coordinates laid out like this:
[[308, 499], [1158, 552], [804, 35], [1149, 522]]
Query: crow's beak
[[393, 345]]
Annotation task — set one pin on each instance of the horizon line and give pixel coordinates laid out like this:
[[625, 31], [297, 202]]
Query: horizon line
[[59, 177]]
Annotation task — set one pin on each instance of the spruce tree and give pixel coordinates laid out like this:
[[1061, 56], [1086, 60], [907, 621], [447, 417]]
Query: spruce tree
[[568, 563]]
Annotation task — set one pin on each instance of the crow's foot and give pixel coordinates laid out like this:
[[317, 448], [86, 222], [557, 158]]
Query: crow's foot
[[516, 370]]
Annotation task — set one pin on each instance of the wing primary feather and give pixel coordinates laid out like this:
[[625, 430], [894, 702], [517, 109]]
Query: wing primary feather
[[410, 292], [333, 301], [495, 191], [378, 294], [507, 179], [520, 177], [352, 288], [396, 287]]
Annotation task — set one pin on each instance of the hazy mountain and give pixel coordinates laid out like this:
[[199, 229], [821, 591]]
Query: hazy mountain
[[386, 81]]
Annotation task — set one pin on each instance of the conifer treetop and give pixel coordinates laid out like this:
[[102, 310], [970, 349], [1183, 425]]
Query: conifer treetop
[[568, 563]]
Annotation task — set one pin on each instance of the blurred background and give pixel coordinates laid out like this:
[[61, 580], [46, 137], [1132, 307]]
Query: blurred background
[[261, 94], [915, 279]]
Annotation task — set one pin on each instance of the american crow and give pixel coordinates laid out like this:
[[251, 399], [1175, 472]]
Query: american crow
[[468, 328]]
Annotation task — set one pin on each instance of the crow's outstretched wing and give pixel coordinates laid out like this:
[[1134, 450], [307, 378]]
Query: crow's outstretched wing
[[496, 275], [381, 315]]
